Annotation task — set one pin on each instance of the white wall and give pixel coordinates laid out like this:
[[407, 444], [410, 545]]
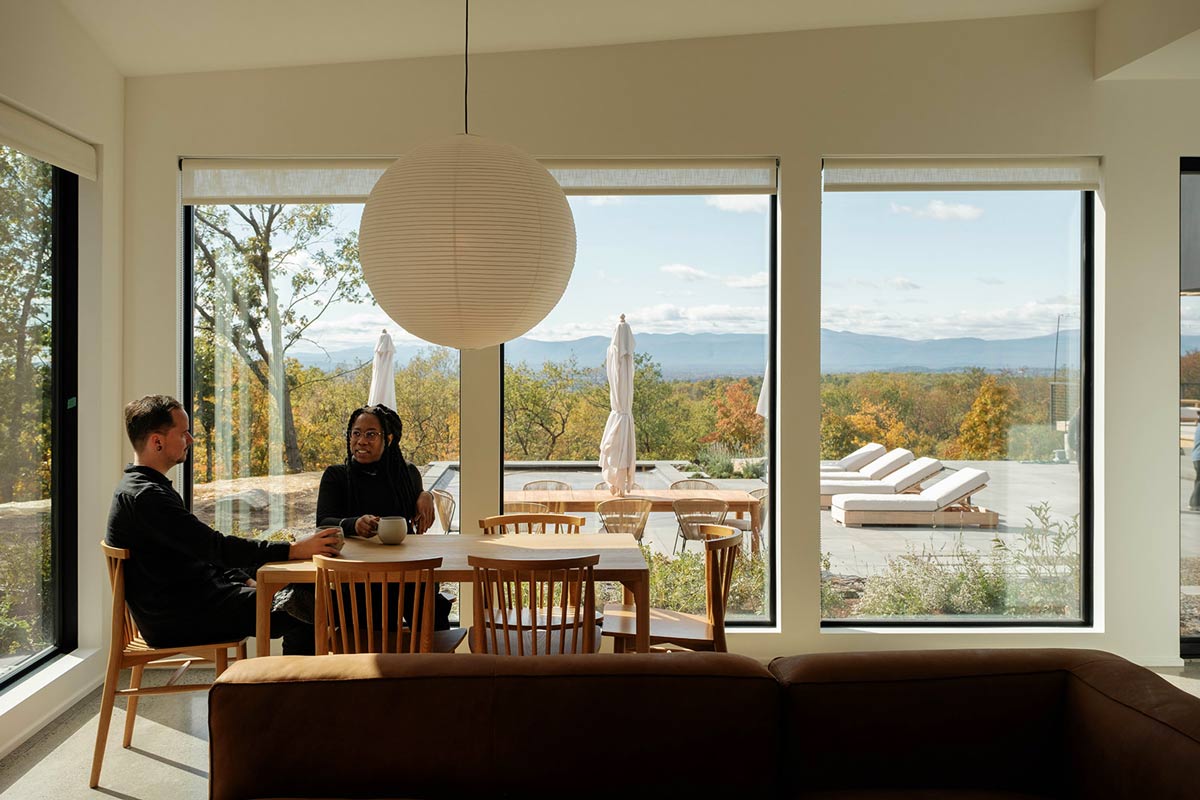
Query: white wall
[[1019, 86], [51, 69]]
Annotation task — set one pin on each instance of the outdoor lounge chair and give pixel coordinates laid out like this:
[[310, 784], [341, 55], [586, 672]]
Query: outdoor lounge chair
[[947, 502], [906, 479], [856, 460], [876, 470]]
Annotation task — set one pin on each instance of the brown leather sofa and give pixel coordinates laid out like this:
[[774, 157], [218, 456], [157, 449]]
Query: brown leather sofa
[[970, 724]]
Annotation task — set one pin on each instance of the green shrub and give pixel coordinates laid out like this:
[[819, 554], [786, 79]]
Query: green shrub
[[678, 583], [832, 602], [926, 584], [1033, 442], [1046, 558], [717, 460]]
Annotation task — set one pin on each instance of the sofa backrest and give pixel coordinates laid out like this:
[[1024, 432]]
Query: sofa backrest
[[451, 725], [935, 720]]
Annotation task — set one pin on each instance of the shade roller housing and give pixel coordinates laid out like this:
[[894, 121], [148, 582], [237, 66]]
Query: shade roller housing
[[959, 174], [46, 143], [217, 181]]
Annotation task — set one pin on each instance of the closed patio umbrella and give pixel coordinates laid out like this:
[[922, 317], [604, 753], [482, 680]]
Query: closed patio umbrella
[[383, 373], [618, 447], [763, 409]]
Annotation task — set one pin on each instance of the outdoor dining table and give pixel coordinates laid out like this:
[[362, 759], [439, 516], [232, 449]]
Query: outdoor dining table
[[620, 560], [738, 501]]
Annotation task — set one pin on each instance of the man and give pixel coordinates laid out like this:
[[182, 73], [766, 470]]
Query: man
[[175, 580]]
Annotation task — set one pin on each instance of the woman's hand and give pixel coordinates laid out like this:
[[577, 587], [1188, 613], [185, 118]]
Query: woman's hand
[[366, 526], [424, 512]]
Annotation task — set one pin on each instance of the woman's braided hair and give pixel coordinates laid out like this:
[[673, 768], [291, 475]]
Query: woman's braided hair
[[395, 468]]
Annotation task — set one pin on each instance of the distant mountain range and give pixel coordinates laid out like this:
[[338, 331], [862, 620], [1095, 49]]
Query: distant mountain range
[[702, 355]]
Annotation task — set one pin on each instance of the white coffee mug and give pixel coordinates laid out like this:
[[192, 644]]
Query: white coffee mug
[[341, 537], [392, 530]]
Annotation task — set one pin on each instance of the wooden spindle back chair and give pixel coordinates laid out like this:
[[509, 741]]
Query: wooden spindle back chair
[[522, 507], [127, 649], [360, 607], [625, 515], [525, 607], [530, 523]]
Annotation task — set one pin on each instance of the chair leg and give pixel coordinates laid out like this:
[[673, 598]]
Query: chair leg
[[135, 682], [106, 707], [241, 650], [220, 661]]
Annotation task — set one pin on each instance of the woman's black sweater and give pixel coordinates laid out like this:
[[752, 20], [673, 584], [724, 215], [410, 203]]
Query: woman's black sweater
[[338, 504]]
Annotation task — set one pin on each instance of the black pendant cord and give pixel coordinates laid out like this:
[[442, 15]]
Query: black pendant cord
[[466, 63]]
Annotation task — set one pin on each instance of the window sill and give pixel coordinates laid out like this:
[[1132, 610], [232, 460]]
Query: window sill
[[26, 706]]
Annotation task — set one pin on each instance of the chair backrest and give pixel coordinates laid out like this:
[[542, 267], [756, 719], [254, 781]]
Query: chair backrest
[[522, 507], [625, 515], [444, 503], [693, 483], [887, 464], [961, 484], [364, 602], [546, 486], [524, 607], [862, 456], [124, 629], [531, 523], [694, 513], [913, 473], [606, 486], [721, 546], [760, 493]]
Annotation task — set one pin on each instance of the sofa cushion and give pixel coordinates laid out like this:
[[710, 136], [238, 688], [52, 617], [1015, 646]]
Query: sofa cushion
[[950, 720], [855, 501], [434, 725]]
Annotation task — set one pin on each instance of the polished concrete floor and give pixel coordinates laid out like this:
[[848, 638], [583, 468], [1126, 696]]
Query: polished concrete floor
[[169, 757]]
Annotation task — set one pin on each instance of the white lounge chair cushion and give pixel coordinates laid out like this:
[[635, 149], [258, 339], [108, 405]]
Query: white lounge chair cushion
[[875, 502], [966, 481], [907, 476], [876, 470], [856, 460]]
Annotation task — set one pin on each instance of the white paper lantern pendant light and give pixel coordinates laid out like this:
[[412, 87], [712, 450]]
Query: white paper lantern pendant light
[[467, 242]]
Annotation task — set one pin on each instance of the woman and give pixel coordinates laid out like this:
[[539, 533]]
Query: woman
[[375, 481]]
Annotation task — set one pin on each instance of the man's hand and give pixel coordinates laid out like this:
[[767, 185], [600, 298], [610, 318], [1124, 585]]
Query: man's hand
[[424, 512], [366, 526], [322, 543]]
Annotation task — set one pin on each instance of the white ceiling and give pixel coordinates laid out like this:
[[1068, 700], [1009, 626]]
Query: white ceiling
[[154, 37]]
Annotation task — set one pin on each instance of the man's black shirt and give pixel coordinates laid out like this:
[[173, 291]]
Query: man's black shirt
[[174, 576]]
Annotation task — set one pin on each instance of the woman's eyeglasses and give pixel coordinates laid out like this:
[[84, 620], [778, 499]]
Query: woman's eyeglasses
[[370, 436]]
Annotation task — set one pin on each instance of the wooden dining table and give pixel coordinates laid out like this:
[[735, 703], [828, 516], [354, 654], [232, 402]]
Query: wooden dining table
[[621, 560], [738, 501]]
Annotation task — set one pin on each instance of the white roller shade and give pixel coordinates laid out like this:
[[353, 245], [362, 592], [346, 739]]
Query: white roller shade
[[46, 143], [974, 174], [217, 181], [665, 176], [208, 181]]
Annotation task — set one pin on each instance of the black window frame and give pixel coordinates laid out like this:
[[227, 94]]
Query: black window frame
[[1087, 234], [1189, 646], [64, 439], [770, 532]]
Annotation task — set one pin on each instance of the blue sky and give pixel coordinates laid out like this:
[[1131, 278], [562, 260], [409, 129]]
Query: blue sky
[[932, 265], [913, 265]]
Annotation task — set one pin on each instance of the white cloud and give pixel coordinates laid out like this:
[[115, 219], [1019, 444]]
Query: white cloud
[[940, 210], [605, 200], [991, 281], [755, 281], [684, 271], [1035, 318], [666, 318], [739, 203], [903, 284]]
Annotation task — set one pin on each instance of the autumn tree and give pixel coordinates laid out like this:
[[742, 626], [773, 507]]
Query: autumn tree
[[737, 424], [1189, 375], [25, 290], [538, 407], [262, 278], [983, 434]]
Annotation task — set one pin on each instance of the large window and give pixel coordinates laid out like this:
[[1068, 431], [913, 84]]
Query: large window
[[37, 417], [954, 334], [284, 332], [692, 274]]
